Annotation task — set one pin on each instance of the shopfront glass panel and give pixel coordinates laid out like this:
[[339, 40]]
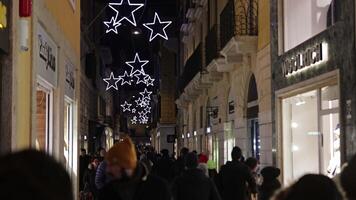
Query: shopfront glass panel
[[304, 19], [300, 136], [42, 138], [311, 134], [229, 142], [68, 134]]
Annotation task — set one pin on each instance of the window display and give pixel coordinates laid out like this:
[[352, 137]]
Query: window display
[[313, 16], [311, 133]]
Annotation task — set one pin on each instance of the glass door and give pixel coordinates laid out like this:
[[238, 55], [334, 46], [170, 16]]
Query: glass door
[[43, 136], [255, 140], [68, 135]]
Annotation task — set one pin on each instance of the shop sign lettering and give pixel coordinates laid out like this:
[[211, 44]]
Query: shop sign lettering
[[46, 53], [307, 58]]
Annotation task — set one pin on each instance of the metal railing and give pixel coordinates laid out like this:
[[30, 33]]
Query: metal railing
[[192, 67], [211, 45], [239, 17]]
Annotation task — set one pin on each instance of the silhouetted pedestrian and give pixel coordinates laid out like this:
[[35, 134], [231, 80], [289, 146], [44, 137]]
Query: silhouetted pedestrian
[[235, 180], [33, 175], [131, 180], [270, 183], [348, 179], [193, 184]]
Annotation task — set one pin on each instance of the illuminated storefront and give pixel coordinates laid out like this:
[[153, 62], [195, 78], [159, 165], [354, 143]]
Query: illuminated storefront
[[312, 88]]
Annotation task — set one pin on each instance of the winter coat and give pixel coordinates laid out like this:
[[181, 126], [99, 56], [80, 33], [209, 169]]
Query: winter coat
[[141, 186], [270, 183], [204, 168], [163, 168], [89, 181], [235, 181], [101, 178], [194, 185]]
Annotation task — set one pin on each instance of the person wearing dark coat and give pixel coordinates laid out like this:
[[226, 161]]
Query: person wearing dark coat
[[235, 180], [348, 179], [312, 187], [163, 167], [33, 175], [270, 183], [89, 180], [179, 164], [84, 161], [131, 179], [193, 184]]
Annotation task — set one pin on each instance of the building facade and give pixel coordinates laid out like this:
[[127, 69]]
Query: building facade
[[226, 102], [41, 89], [313, 85]]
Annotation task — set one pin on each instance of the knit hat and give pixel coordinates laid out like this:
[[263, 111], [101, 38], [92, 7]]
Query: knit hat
[[123, 154], [203, 158]]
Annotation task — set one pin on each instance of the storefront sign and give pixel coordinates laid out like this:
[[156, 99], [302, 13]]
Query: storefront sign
[[70, 80], [47, 57], [231, 107], [307, 58], [4, 30]]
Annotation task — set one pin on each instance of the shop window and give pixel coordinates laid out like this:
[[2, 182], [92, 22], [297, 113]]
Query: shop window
[[304, 19], [252, 119], [229, 140], [43, 116], [68, 135], [315, 133]]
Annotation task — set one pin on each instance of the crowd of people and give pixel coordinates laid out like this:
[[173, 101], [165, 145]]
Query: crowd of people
[[127, 172]]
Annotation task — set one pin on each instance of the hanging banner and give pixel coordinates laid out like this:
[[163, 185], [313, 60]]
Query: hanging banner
[[70, 79], [47, 56], [4, 26]]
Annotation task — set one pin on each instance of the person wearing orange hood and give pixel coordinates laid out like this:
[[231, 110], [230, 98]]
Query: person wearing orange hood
[[131, 179]]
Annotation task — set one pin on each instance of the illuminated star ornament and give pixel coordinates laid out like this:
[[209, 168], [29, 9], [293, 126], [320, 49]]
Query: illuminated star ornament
[[146, 94], [112, 25], [112, 82], [126, 106], [134, 120], [157, 28], [126, 10], [126, 79], [137, 65]]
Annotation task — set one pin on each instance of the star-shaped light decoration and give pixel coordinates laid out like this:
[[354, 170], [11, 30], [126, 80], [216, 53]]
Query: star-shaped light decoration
[[126, 78], [147, 109], [133, 110], [137, 65], [157, 28], [142, 114], [126, 10], [141, 78], [141, 102], [126, 106], [146, 94], [111, 82], [149, 81], [143, 120], [112, 25], [134, 120]]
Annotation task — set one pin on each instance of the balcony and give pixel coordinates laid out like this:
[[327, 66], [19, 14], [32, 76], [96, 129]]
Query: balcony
[[192, 67], [211, 45], [238, 32]]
